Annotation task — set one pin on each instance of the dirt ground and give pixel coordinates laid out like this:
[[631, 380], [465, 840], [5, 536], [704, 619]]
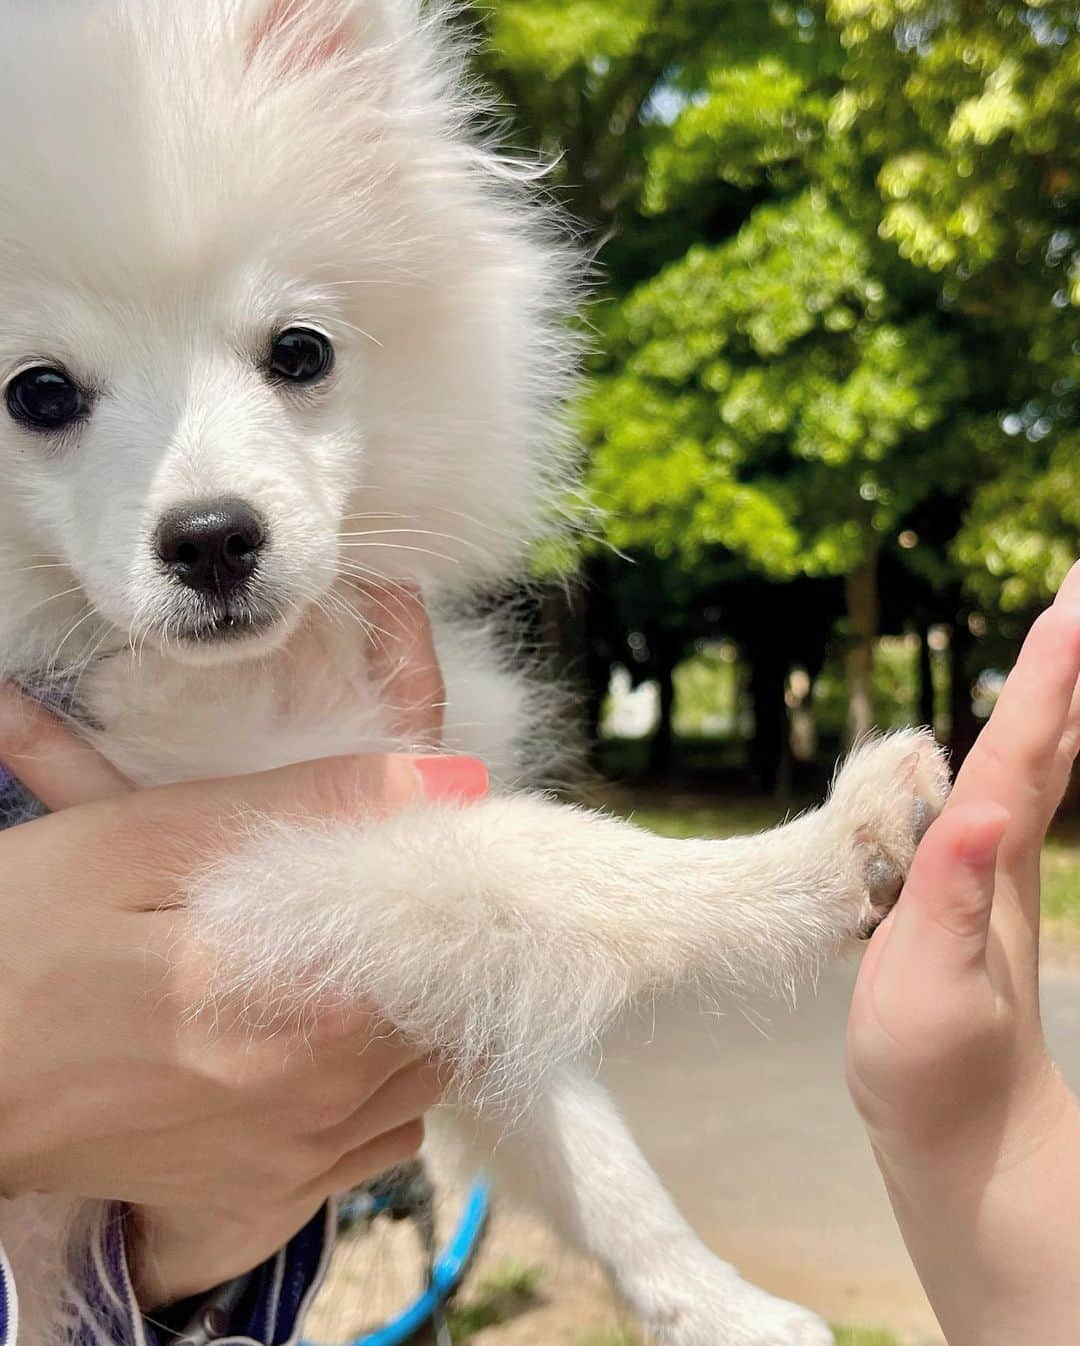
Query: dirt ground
[[568, 1304]]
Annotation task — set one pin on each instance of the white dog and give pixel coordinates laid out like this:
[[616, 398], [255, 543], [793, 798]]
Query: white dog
[[274, 319]]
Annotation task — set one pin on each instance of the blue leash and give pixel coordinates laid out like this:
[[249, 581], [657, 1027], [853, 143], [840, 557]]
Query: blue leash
[[446, 1274]]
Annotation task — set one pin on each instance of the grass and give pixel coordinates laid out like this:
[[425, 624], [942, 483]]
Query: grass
[[615, 1337], [509, 1290], [701, 816], [1061, 878], [513, 1287], [864, 1336], [845, 1336]]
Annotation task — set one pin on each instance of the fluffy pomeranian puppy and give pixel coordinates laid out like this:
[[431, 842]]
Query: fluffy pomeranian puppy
[[275, 319]]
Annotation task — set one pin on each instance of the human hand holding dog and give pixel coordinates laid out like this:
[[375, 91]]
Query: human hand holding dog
[[226, 1142], [976, 1133]]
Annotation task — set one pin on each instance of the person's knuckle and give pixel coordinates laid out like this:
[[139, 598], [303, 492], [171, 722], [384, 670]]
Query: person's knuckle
[[1057, 628], [341, 786], [289, 1169], [407, 1139], [334, 1025], [1025, 760], [348, 787], [386, 1054], [327, 1104], [431, 1084]]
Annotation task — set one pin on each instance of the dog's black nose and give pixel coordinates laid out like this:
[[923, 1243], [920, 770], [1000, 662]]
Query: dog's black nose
[[213, 546]]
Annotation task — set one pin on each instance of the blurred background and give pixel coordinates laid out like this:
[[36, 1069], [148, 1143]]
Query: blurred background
[[833, 431], [832, 415]]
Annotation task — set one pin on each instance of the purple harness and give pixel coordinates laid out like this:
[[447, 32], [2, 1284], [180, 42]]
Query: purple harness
[[17, 804]]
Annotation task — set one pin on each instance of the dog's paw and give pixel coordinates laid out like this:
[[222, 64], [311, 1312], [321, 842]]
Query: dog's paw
[[762, 1321], [886, 795], [716, 1307], [775, 1322]]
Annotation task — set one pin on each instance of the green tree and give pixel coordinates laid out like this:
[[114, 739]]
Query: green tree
[[972, 176], [839, 327]]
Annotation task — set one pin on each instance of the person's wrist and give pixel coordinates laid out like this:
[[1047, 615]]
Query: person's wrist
[[976, 1224]]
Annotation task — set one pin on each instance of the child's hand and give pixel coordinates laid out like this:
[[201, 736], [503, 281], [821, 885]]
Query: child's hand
[[972, 1126]]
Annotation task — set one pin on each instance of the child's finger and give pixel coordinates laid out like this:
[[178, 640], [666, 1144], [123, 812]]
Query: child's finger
[[943, 915], [1067, 751], [1014, 758], [403, 659], [54, 764], [1069, 593]]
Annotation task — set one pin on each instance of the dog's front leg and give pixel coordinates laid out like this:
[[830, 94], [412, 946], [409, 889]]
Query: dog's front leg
[[509, 933], [572, 1159]]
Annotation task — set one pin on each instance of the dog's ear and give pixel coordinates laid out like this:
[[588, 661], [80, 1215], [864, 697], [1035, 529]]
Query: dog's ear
[[298, 35]]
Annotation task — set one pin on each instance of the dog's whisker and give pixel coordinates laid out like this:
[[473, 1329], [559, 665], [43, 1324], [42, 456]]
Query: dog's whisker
[[383, 607], [352, 327], [374, 582], [88, 613], [47, 565], [402, 546], [65, 593], [412, 532]]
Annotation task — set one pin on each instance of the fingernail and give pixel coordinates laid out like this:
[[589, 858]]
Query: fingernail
[[452, 777]]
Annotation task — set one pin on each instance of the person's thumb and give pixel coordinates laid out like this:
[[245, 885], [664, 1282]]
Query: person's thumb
[[192, 822], [363, 785]]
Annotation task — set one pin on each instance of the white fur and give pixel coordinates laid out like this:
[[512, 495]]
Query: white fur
[[179, 182]]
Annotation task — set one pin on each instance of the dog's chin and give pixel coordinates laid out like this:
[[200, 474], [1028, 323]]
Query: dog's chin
[[224, 640]]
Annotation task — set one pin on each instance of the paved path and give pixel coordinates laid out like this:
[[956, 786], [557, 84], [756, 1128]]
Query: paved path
[[747, 1119]]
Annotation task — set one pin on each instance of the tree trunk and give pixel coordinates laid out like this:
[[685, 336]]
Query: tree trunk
[[926, 677], [564, 636], [770, 748], [861, 593], [964, 722], [663, 740]]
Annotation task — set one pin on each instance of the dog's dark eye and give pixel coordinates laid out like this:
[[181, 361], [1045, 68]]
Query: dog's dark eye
[[300, 355], [44, 398]]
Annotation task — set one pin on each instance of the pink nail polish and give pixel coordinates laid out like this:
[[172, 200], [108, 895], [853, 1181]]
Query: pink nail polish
[[452, 777]]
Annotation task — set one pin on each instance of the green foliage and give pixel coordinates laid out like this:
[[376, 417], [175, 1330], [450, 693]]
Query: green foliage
[[1020, 535], [864, 1336], [845, 257], [707, 693], [759, 402], [966, 118], [553, 39], [752, 121]]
